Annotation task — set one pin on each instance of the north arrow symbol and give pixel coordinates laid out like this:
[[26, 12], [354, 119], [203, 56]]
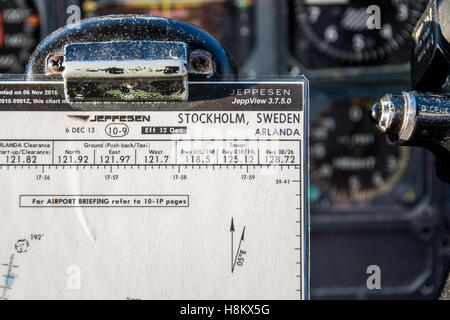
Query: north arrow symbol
[[233, 256]]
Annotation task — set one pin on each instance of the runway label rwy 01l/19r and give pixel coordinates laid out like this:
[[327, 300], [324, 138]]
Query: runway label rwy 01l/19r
[[203, 199]]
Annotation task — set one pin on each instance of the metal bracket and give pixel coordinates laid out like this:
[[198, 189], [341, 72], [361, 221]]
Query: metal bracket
[[134, 70]]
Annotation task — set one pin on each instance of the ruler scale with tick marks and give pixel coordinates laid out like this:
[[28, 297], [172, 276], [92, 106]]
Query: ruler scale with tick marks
[[8, 276]]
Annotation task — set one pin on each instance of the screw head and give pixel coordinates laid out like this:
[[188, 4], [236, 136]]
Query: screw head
[[55, 64], [201, 61]]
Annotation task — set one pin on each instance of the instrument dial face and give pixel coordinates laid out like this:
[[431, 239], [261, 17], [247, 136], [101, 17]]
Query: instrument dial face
[[231, 22], [349, 159], [355, 31], [19, 34]]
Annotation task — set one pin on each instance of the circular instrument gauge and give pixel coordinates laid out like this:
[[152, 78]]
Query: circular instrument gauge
[[348, 158], [19, 34], [231, 22], [356, 31]]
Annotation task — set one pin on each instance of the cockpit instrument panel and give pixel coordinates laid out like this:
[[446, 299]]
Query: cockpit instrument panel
[[19, 34], [232, 22], [339, 33]]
